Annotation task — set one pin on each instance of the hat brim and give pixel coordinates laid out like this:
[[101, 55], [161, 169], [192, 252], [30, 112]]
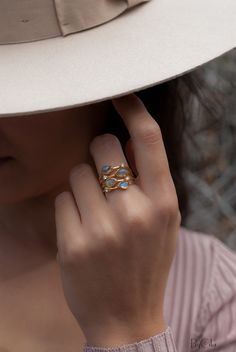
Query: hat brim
[[149, 44]]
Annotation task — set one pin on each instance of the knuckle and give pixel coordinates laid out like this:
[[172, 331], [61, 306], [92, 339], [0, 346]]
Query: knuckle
[[151, 134], [70, 255], [102, 227], [106, 139], [98, 234], [168, 209], [111, 242], [104, 236], [103, 245], [135, 220]]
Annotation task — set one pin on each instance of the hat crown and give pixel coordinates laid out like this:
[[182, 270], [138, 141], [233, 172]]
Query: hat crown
[[31, 20]]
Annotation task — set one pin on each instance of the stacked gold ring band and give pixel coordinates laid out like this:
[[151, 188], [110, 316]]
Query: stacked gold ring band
[[115, 177]]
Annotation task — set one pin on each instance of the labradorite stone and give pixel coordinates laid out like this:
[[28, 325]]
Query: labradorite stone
[[106, 168], [122, 172], [110, 182], [123, 184]]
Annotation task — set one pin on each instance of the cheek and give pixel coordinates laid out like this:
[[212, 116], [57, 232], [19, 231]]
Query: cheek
[[46, 153], [50, 165], [20, 182], [38, 173], [44, 158]]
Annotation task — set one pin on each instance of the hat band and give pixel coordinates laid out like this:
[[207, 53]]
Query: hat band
[[31, 20]]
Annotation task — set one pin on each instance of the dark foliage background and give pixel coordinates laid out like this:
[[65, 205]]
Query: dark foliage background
[[197, 116]]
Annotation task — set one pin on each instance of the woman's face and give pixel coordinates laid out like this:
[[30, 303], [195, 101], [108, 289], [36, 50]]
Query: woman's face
[[45, 147]]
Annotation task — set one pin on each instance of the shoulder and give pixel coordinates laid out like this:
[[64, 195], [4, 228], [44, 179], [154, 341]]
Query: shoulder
[[195, 240], [196, 257], [202, 281], [204, 255], [190, 276], [213, 264], [207, 252]]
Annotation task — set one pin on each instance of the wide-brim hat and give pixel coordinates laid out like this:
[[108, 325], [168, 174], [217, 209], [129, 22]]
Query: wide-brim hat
[[60, 54]]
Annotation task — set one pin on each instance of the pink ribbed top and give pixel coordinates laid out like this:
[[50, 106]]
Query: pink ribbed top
[[200, 300]]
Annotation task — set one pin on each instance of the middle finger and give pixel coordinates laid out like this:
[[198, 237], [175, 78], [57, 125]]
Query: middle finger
[[149, 150]]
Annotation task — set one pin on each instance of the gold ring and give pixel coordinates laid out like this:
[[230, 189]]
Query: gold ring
[[115, 177]]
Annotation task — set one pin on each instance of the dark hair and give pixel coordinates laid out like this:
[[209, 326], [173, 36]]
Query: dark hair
[[170, 105]]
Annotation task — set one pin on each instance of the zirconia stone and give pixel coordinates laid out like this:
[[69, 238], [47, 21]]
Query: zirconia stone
[[110, 182], [124, 185], [106, 168], [122, 172]]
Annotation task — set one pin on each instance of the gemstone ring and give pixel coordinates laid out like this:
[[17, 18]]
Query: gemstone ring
[[115, 177]]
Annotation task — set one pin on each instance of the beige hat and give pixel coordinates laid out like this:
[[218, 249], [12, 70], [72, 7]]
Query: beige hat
[[58, 54]]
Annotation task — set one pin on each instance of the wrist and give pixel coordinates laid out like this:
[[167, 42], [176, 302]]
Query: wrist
[[117, 335]]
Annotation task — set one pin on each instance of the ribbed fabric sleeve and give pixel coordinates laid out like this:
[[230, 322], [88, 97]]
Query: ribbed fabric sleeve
[[217, 315], [162, 342]]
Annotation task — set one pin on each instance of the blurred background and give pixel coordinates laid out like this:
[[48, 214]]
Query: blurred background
[[210, 173]]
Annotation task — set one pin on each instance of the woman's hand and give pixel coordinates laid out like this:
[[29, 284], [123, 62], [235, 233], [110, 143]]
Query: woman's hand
[[115, 251]]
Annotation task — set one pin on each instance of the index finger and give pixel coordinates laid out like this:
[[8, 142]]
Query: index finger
[[149, 150]]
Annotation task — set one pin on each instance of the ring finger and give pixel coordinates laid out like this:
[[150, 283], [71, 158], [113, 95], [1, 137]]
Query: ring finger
[[107, 150], [87, 191]]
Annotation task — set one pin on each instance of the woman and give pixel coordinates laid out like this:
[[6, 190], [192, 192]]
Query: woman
[[78, 266]]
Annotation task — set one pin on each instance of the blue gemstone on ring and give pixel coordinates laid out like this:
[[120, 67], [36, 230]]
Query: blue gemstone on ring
[[106, 168], [122, 172], [124, 184], [110, 182]]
